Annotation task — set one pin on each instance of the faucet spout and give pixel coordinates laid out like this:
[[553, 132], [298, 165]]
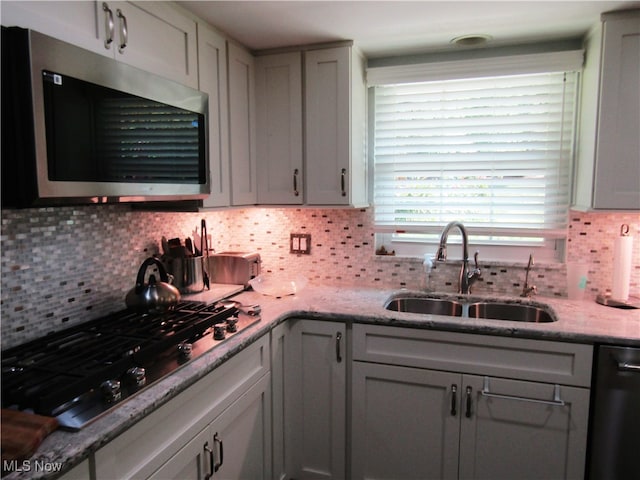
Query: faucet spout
[[467, 278]]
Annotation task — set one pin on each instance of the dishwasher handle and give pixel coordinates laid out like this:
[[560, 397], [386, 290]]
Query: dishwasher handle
[[628, 367]]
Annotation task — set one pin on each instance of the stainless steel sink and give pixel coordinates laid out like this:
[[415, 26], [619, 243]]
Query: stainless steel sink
[[516, 312], [510, 311], [434, 306]]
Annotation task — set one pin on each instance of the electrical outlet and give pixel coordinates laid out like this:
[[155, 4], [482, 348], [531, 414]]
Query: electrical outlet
[[300, 243]]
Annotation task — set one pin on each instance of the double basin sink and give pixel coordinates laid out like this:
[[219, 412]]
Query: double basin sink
[[497, 310]]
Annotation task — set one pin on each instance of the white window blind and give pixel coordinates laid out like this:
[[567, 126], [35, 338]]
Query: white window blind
[[492, 152]]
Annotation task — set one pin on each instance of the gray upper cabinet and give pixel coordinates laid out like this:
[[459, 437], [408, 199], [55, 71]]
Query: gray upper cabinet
[[608, 172], [311, 127], [154, 36], [279, 128], [212, 62], [240, 64], [335, 120]]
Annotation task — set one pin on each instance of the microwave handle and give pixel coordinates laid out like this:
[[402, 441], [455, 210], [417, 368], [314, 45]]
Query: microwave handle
[[109, 26]]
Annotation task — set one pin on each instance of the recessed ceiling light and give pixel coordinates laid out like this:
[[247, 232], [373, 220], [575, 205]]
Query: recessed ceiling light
[[472, 40]]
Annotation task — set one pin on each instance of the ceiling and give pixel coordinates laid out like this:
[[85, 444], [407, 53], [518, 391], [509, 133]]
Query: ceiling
[[388, 28]]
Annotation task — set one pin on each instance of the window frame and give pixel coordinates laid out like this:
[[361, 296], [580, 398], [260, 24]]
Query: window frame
[[552, 247]]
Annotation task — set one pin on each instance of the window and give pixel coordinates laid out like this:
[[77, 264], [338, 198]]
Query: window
[[493, 151]]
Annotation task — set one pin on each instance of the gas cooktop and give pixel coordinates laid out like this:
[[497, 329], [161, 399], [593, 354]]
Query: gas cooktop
[[81, 373]]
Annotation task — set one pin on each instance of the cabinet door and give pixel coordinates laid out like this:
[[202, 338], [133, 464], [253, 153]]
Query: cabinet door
[[191, 462], [521, 430], [617, 182], [328, 125], [242, 436], [405, 422], [241, 126], [212, 73], [279, 128], [75, 22], [316, 399], [280, 338], [153, 36]]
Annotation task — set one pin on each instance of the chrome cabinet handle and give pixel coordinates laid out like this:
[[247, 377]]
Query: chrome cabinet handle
[[467, 412], [109, 26], [124, 31], [211, 461], [338, 341], [628, 367], [217, 440], [557, 401], [295, 182], [343, 174], [454, 399]]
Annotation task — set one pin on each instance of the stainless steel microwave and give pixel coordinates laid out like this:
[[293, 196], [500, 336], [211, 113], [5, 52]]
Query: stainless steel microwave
[[79, 127]]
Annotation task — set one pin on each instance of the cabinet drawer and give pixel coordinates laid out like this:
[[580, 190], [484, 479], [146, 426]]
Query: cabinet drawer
[[148, 444], [541, 360]]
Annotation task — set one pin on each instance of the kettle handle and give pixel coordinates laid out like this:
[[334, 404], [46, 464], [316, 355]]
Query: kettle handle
[[143, 269]]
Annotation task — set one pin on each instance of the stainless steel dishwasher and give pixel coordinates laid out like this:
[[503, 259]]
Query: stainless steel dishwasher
[[614, 437]]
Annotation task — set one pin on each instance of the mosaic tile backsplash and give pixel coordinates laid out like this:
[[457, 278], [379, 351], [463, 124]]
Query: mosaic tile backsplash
[[63, 266]]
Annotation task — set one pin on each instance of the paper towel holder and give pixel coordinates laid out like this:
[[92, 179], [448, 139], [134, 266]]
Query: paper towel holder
[[606, 299]]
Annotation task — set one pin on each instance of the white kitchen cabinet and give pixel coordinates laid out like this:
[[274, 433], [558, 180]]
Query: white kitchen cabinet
[[279, 128], [608, 171], [402, 426], [242, 153], [157, 36], [420, 408], [237, 389], [517, 429], [335, 122], [212, 76], [315, 400], [281, 429], [153, 36], [75, 22], [235, 445], [82, 471]]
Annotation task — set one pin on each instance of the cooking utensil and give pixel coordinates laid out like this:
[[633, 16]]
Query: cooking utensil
[[187, 272], [188, 245], [155, 296], [204, 247], [246, 309]]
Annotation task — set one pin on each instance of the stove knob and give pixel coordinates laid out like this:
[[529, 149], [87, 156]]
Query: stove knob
[[232, 324], [184, 349], [219, 331], [111, 391], [137, 376]]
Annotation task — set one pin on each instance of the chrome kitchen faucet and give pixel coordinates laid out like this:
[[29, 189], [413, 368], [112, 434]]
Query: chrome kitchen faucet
[[467, 278]]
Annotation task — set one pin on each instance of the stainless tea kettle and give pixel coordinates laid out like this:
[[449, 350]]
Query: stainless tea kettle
[[155, 296]]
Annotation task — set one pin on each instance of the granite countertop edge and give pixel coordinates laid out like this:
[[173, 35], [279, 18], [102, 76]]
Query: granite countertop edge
[[577, 322]]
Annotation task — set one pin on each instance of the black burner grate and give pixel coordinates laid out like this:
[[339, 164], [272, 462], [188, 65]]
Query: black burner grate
[[51, 371]]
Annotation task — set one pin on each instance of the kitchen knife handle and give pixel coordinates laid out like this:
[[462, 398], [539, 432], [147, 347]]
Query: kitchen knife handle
[[217, 440], [211, 461], [454, 399], [295, 182], [124, 31], [343, 187], [109, 26], [338, 352]]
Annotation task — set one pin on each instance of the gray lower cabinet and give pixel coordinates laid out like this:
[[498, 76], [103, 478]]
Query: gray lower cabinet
[[422, 407], [242, 431], [309, 379], [402, 425], [227, 412]]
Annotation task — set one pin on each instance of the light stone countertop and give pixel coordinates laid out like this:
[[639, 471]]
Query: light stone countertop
[[577, 321]]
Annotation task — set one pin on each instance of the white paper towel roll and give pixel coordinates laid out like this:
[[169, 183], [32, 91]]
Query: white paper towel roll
[[621, 268]]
